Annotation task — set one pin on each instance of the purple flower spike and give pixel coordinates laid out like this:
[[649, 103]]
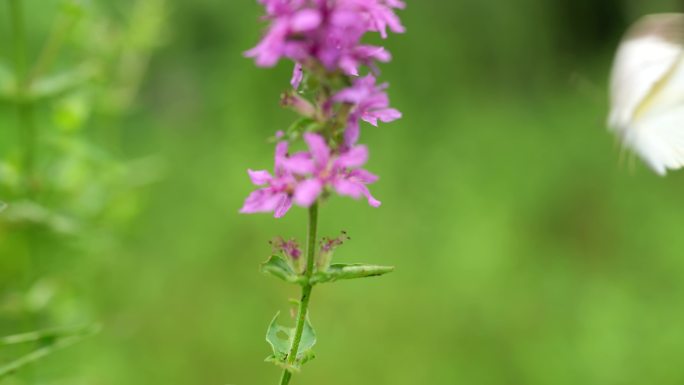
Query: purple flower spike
[[371, 104], [333, 89], [324, 38]]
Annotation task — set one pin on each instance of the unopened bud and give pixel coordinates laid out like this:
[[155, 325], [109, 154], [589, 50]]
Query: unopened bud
[[299, 104]]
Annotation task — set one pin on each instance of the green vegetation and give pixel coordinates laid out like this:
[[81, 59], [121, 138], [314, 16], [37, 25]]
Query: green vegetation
[[526, 251]]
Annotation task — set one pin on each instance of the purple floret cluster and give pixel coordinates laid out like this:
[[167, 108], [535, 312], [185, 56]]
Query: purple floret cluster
[[324, 39], [327, 31]]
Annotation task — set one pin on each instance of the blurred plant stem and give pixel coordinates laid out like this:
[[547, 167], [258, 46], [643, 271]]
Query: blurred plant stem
[[60, 30], [23, 100], [306, 292], [52, 341], [27, 133]]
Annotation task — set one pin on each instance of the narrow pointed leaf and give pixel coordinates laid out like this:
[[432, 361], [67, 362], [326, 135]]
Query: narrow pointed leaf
[[49, 334], [338, 272], [52, 342]]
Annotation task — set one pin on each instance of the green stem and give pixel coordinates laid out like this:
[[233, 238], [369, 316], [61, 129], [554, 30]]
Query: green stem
[[306, 292], [24, 107]]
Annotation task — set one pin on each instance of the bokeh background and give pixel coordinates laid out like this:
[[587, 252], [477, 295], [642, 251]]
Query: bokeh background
[[527, 251]]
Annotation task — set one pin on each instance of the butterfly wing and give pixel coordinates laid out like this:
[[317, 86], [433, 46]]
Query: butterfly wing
[[659, 140], [647, 91], [644, 57]]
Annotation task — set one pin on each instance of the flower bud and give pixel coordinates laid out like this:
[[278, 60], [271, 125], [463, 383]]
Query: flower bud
[[298, 104]]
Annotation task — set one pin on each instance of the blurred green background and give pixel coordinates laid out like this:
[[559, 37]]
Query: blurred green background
[[526, 251]]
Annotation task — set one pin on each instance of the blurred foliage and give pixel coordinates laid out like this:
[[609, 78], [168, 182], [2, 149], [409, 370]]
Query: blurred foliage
[[68, 192], [526, 252]]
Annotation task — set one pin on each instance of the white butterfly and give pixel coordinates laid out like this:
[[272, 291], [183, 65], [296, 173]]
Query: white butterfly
[[647, 91]]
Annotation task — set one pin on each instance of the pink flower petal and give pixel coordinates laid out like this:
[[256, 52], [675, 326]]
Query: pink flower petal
[[300, 163], [307, 192], [349, 66], [259, 178], [318, 148], [271, 47], [370, 118], [356, 157], [356, 190], [280, 156], [297, 76], [367, 52], [283, 206], [349, 188], [387, 115], [260, 201], [363, 176], [371, 200], [352, 133], [305, 20], [396, 4]]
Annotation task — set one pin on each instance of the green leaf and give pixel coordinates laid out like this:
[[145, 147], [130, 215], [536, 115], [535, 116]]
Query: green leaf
[[280, 338], [306, 357], [308, 340], [3, 206], [54, 85], [338, 272], [23, 212], [278, 267], [44, 87]]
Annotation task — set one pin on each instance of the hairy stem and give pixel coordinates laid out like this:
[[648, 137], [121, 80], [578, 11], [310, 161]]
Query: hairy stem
[[23, 100], [306, 292]]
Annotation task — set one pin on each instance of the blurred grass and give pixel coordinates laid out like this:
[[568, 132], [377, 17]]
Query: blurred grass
[[525, 252]]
